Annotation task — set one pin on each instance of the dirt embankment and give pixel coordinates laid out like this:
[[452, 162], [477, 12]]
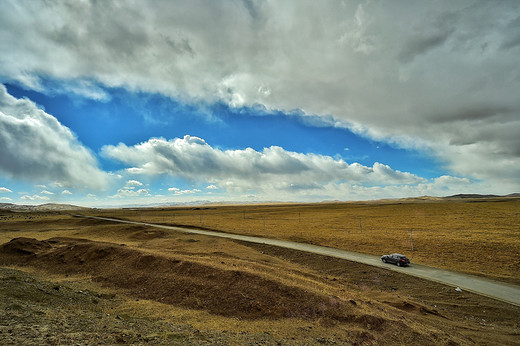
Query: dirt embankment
[[172, 281], [39, 312]]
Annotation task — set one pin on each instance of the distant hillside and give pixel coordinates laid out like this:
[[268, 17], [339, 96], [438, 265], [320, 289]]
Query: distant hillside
[[42, 207], [474, 195]]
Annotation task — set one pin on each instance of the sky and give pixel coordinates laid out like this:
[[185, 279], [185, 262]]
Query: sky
[[114, 103]]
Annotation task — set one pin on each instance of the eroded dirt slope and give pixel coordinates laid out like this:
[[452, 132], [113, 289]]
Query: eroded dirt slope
[[230, 293], [173, 281]]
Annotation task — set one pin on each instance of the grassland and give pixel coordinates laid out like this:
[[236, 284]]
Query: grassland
[[480, 237], [70, 280]]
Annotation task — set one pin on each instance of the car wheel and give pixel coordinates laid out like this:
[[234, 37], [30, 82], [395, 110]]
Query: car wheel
[[398, 263], [383, 259]]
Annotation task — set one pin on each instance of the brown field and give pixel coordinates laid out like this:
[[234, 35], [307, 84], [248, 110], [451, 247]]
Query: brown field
[[480, 237], [66, 280]]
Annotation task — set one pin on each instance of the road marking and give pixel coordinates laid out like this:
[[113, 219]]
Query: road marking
[[502, 291]]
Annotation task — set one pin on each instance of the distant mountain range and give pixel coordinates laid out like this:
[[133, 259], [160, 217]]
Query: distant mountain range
[[41, 207], [473, 195], [65, 207]]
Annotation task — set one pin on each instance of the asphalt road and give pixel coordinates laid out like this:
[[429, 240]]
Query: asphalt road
[[505, 292]]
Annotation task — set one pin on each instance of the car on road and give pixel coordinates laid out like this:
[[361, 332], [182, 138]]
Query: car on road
[[397, 259]]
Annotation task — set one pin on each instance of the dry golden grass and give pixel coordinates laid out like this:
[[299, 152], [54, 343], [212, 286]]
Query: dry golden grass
[[216, 292], [479, 237], [234, 293]]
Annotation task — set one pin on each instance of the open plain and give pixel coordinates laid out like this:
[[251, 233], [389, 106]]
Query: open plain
[[72, 280]]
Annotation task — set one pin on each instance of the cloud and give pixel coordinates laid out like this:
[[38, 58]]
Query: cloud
[[133, 183], [130, 189], [212, 187], [438, 76], [179, 192], [36, 147], [448, 180], [4, 190], [191, 158], [7, 199], [66, 192], [124, 193], [35, 198], [45, 192]]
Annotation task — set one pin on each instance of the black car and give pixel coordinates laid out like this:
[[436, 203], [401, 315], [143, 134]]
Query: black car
[[397, 259]]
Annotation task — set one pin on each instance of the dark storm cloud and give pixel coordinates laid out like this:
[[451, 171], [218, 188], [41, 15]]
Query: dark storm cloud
[[421, 45], [512, 35]]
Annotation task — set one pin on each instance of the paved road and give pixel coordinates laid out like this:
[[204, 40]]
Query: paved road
[[497, 290]]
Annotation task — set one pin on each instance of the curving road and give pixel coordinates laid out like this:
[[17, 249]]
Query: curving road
[[497, 290]]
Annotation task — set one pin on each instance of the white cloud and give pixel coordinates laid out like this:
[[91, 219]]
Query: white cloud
[[7, 199], [45, 192], [134, 183], [273, 168], [124, 193], [35, 198], [179, 192], [277, 174], [4, 190], [66, 192], [36, 147], [448, 180], [440, 76]]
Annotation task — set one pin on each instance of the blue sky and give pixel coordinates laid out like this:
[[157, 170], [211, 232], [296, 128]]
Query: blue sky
[[134, 118], [140, 105]]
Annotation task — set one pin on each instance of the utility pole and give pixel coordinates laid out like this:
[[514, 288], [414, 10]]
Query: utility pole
[[411, 238], [360, 226]]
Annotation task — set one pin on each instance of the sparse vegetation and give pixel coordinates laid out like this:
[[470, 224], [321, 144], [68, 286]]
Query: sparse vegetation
[[480, 237], [72, 280]]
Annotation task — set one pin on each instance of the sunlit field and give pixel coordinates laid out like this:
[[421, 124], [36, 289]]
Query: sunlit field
[[481, 237], [141, 284]]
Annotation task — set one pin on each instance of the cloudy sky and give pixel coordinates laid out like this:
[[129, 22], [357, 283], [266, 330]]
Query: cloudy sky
[[137, 102]]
